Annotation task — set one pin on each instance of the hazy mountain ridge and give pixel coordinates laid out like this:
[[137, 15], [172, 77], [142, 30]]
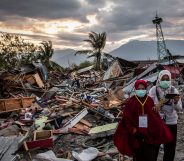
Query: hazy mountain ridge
[[143, 50], [67, 57], [133, 50]]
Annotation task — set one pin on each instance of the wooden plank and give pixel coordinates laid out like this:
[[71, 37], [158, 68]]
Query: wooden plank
[[44, 134], [82, 127], [9, 77], [31, 80], [13, 104], [27, 150], [79, 126], [19, 123], [68, 113], [27, 102], [86, 123], [35, 78], [38, 80], [2, 106]]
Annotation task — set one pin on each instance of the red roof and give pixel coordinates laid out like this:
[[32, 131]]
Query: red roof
[[174, 70]]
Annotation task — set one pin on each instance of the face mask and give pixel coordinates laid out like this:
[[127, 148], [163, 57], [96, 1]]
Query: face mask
[[165, 84], [140, 93]]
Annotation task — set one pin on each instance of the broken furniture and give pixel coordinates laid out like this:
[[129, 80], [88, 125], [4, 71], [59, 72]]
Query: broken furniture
[[13, 104], [42, 139]]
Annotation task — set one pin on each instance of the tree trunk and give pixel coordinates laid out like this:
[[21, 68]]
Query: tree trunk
[[98, 62]]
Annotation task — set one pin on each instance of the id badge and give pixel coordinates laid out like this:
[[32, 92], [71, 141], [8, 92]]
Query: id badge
[[143, 121]]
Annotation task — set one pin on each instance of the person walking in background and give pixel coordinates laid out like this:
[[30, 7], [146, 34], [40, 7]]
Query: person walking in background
[[141, 129], [167, 101]]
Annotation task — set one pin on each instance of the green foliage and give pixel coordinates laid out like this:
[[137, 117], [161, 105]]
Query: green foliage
[[14, 51], [74, 66], [85, 64], [54, 66], [97, 42], [46, 52]]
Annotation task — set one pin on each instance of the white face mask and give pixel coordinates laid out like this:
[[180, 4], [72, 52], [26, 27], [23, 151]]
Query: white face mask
[[141, 92], [165, 84]]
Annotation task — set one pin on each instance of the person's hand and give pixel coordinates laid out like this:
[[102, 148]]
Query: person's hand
[[157, 107], [176, 99]]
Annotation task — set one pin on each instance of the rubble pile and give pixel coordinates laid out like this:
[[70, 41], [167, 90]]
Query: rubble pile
[[56, 116]]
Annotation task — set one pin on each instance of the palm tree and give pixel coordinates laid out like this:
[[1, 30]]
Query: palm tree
[[97, 42], [46, 52]]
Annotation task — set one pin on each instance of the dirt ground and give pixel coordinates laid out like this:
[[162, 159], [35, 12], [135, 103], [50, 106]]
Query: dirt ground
[[180, 142]]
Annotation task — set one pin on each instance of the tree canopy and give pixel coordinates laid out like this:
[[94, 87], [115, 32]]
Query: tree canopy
[[15, 51], [97, 43]]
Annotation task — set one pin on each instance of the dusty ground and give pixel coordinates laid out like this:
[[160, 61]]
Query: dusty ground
[[180, 142]]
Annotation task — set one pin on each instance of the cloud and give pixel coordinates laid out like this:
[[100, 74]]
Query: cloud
[[130, 15], [48, 9], [39, 8], [123, 20]]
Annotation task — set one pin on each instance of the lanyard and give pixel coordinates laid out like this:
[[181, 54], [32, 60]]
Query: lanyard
[[142, 104]]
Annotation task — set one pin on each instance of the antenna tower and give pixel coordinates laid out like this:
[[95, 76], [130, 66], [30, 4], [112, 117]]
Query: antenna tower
[[161, 46]]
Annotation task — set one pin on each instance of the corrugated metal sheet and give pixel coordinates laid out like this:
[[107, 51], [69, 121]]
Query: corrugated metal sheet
[[8, 146], [85, 69], [181, 61]]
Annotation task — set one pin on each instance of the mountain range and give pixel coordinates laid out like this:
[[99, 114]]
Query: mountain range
[[133, 50], [67, 57]]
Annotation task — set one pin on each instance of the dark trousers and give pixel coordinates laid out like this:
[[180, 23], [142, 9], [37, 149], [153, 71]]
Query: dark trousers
[[146, 152], [169, 148]]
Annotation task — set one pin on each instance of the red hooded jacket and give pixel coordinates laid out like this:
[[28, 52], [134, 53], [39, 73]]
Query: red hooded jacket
[[156, 132]]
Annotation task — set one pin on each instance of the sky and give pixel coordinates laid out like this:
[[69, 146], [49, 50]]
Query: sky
[[67, 22]]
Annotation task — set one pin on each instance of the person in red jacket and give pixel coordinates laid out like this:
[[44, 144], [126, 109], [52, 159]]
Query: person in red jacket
[[141, 129]]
